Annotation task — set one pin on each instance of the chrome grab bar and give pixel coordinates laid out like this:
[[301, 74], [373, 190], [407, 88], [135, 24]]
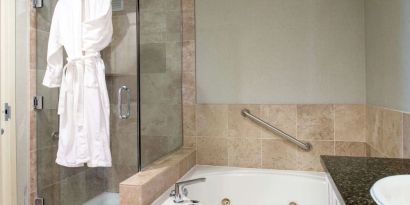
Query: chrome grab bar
[[306, 146], [121, 114]]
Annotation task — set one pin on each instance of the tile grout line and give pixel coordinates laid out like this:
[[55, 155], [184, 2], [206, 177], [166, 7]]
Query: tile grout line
[[260, 137], [196, 134], [196, 149], [227, 133], [402, 135], [334, 129], [297, 135]]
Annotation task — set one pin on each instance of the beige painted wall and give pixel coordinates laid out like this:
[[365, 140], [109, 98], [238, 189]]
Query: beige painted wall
[[388, 53], [280, 51]]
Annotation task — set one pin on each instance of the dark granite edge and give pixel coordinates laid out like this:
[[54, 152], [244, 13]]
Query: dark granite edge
[[354, 176]]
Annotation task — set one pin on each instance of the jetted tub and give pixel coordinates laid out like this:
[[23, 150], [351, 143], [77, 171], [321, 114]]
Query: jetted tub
[[242, 186]]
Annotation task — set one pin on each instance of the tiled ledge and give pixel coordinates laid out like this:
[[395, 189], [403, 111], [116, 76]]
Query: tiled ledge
[[144, 187]]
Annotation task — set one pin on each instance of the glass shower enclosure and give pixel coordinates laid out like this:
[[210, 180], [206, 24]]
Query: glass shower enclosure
[[144, 59]]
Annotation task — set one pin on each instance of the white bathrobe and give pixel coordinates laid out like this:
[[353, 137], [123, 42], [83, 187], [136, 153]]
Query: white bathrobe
[[83, 28]]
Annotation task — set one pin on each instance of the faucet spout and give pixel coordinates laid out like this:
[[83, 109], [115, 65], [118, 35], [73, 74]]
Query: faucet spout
[[189, 182], [177, 193]]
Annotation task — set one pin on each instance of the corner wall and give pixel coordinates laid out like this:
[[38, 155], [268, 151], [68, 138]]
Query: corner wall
[[223, 137], [388, 77], [388, 53]]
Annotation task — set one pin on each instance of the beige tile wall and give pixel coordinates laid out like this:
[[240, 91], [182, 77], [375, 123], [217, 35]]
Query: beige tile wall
[[223, 137], [188, 71], [32, 189], [388, 132], [188, 52]]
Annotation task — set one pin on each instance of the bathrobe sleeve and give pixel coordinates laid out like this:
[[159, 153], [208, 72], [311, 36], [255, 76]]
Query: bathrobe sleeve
[[98, 29], [54, 71]]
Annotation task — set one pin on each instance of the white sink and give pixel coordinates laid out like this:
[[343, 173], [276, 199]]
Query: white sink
[[393, 190]]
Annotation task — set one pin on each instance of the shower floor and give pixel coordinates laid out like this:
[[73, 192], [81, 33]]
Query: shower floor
[[106, 198]]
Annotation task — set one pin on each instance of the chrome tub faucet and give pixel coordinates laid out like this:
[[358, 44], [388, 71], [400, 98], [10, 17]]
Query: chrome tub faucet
[[180, 190]]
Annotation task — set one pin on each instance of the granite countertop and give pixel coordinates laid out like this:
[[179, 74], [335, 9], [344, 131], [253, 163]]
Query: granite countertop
[[354, 176]]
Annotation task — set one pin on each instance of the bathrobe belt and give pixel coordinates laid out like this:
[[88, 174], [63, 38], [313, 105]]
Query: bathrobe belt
[[75, 80]]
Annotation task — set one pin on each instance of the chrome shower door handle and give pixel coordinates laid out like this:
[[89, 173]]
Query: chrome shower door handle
[[121, 113]]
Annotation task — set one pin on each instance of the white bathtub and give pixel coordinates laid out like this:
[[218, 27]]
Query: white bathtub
[[255, 187]]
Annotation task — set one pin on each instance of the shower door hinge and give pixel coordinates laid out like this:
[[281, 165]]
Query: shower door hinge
[[39, 201], [38, 102], [7, 112], [37, 3]]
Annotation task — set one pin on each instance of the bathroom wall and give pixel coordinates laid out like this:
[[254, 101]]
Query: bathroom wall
[[388, 77], [280, 52], [387, 53], [223, 137], [380, 128]]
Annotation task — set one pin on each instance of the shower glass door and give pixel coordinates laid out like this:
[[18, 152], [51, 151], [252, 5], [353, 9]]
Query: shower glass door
[[154, 125], [91, 186]]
